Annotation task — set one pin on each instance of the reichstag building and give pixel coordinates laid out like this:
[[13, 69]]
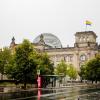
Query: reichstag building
[[85, 48]]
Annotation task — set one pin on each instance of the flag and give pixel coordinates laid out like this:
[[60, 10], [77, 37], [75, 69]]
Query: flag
[[88, 22]]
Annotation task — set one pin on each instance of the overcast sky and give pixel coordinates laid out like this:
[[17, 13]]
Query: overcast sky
[[26, 19]]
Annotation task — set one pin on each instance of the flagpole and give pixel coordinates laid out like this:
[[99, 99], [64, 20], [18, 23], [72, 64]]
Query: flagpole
[[86, 27]]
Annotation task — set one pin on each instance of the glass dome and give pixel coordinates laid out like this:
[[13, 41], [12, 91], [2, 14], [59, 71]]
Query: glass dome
[[50, 40]]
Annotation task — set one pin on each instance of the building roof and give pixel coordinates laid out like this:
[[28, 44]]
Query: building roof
[[86, 32], [49, 39]]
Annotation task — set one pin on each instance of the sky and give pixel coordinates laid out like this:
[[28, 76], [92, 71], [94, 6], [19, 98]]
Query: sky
[[26, 19]]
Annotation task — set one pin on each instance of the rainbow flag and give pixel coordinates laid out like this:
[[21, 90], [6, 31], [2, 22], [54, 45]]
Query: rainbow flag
[[88, 22]]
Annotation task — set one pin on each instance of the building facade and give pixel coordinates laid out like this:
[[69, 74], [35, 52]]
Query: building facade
[[85, 48]]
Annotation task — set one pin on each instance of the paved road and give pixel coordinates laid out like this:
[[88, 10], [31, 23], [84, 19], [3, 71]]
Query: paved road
[[67, 93], [73, 92]]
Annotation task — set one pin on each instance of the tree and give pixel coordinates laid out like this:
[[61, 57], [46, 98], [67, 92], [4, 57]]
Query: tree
[[61, 68], [23, 68], [82, 72], [45, 65], [5, 58], [25, 63], [72, 72], [65, 69], [92, 69], [10, 67]]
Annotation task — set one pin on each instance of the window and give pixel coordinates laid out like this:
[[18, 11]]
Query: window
[[69, 58], [82, 57]]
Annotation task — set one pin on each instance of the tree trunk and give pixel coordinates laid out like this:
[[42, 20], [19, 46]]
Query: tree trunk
[[96, 81], [92, 81], [1, 76], [25, 85]]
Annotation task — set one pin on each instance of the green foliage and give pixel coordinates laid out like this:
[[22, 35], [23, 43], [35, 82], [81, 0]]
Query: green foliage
[[5, 59], [26, 61], [61, 68], [44, 64], [91, 70], [9, 68], [72, 72], [82, 72], [65, 69], [23, 64]]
